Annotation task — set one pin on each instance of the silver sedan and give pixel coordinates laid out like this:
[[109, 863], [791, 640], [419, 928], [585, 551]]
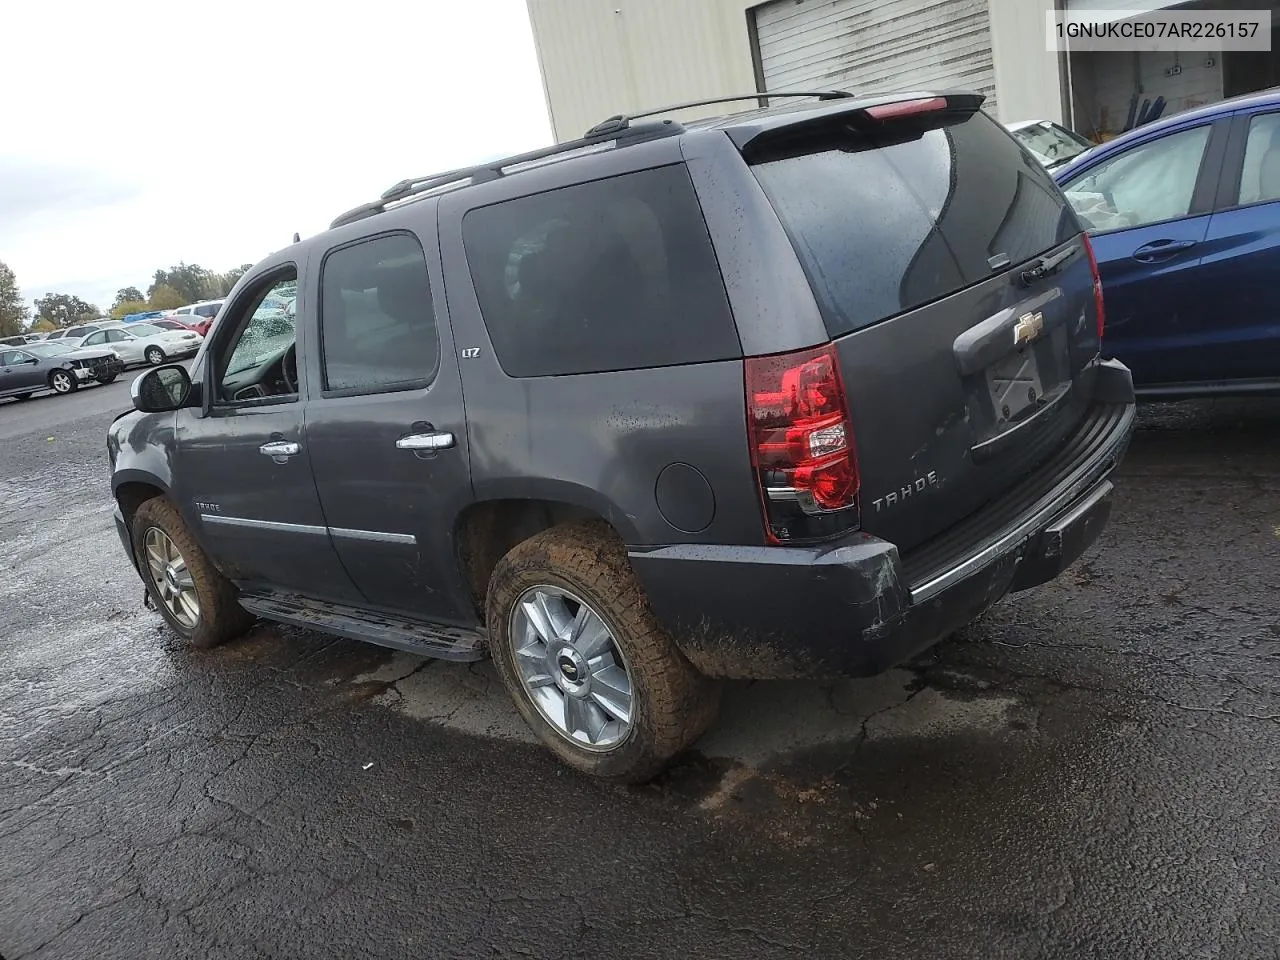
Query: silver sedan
[[138, 343]]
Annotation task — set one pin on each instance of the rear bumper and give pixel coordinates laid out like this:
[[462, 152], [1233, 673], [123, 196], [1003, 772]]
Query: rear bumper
[[855, 607]]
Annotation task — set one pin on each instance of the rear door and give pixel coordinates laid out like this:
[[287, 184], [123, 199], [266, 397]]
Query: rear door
[[1240, 262], [1147, 210], [385, 425], [963, 369]]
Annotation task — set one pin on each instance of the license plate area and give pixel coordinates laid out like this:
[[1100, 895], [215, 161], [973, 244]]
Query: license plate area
[[1015, 385]]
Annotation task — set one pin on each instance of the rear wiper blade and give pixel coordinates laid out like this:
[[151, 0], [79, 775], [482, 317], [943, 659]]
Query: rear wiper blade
[[1047, 266]]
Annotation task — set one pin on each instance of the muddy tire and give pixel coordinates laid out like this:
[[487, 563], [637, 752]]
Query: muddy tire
[[172, 563], [574, 584]]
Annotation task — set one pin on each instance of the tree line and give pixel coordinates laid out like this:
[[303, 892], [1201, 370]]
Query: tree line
[[176, 287]]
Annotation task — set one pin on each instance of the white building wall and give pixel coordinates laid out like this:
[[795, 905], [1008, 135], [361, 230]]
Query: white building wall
[[601, 57], [1029, 83]]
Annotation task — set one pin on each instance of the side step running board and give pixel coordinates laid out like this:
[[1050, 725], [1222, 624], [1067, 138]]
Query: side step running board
[[442, 643]]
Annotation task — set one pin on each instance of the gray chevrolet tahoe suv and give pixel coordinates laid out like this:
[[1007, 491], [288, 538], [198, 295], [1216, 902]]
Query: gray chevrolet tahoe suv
[[792, 393]]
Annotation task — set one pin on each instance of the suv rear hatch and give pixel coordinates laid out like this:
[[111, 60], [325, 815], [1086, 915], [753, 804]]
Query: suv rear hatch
[[958, 290]]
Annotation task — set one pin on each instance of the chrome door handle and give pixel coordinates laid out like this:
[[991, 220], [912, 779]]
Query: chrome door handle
[[440, 440], [280, 448]]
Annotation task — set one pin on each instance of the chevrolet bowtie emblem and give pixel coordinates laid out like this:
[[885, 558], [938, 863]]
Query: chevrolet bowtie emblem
[[1028, 327]]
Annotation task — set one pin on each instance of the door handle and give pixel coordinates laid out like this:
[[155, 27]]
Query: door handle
[[439, 440], [280, 448], [1158, 250]]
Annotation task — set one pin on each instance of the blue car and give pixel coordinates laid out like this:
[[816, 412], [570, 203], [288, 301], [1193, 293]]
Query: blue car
[[1184, 215]]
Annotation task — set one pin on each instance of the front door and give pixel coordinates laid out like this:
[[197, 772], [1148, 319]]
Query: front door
[[20, 372], [244, 465], [1147, 213], [385, 425]]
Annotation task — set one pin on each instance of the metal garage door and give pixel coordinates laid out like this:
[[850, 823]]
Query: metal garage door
[[872, 45]]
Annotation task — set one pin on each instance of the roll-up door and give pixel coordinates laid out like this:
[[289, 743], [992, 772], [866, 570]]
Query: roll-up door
[[869, 46]]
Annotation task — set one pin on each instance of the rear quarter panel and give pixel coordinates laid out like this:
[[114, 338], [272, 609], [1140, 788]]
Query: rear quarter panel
[[600, 440]]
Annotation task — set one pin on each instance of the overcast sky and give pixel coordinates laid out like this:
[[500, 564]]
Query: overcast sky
[[135, 134]]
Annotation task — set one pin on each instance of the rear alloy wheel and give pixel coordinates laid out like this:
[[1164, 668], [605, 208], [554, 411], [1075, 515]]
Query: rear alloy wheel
[[62, 382], [155, 356], [585, 660], [571, 667]]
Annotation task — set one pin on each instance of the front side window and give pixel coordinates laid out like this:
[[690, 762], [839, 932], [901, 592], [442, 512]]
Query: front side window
[[377, 321], [1260, 178], [617, 274], [117, 336], [1151, 182], [260, 361]]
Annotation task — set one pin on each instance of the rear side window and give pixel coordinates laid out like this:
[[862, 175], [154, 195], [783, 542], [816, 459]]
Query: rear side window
[[616, 274], [377, 321], [884, 225]]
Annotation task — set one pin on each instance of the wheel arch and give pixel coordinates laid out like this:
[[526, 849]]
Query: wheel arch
[[488, 529], [133, 488]]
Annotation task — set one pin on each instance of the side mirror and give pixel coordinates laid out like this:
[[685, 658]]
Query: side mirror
[[30, 359], [162, 389]]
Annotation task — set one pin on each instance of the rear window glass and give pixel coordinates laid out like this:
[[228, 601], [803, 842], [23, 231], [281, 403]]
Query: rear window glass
[[616, 274], [882, 226]]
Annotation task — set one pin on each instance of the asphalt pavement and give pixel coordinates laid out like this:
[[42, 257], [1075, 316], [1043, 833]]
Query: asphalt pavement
[[1089, 771]]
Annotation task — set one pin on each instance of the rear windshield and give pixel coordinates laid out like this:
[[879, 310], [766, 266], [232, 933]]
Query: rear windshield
[[882, 226]]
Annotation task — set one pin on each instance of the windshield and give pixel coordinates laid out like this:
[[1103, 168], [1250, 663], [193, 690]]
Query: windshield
[[1051, 144], [256, 349], [48, 349], [144, 329]]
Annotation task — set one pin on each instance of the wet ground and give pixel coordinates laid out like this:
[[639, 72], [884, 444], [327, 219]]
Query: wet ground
[[1089, 771]]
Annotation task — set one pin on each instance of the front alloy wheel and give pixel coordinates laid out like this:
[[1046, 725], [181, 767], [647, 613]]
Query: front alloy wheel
[[571, 667], [62, 381], [170, 577]]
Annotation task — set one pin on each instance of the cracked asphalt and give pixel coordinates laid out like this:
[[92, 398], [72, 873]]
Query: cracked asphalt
[[1090, 770]]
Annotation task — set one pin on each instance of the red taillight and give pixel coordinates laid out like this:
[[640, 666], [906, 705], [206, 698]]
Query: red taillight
[[906, 108], [802, 444], [1097, 285]]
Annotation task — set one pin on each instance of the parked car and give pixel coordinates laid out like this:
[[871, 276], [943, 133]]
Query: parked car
[[199, 315], [791, 393], [77, 333], [139, 343], [53, 366], [1050, 143], [169, 323], [1184, 215], [18, 340]]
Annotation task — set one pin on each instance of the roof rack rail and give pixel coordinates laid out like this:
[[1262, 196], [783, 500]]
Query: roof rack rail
[[483, 172], [622, 121]]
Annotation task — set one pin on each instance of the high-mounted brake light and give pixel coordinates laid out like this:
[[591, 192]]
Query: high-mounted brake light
[[802, 444], [1097, 286], [906, 108]]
